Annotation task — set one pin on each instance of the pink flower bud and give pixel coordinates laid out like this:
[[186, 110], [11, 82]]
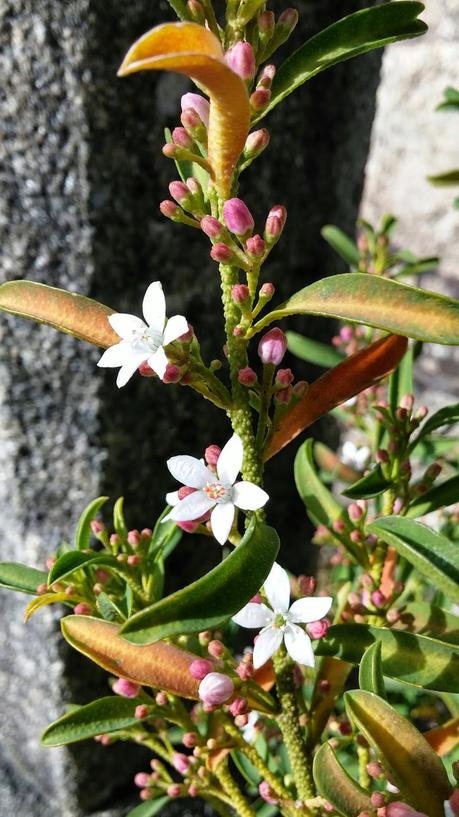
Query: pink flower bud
[[174, 790], [284, 377], [318, 629], [238, 217], [96, 527], [190, 739], [180, 762], [407, 402], [241, 60], [256, 246], [346, 334], [133, 560], [260, 99], [193, 790], [377, 799], [145, 370], [288, 19], [284, 396], [172, 374], [216, 648], [266, 22], [399, 809], [211, 454], [266, 793], [221, 252], [300, 389], [191, 121], [161, 698], [125, 688], [244, 670], [275, 222], [266, 77], [375, 770], [272, 347], [133, 538], [200, 667], [82, 609], [307, 585], [142, 779], [180, 192], [181, 138], [193, 186], [256, 142], [238, 707], [324, 686], [338, 526], [50, 562], [197, 103], [267, 291], [240, 293], [378, 598], [41, 589], [355, 512], [247, 376], [141, 711], [215, 689], [421, 413], [211, 227]]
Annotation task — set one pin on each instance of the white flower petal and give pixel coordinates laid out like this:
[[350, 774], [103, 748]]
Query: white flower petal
[[299, 645], [158, 362], [254, 616], [154, 307], [192, 507], [230, 460], [248, 496], [221, 520], [190, 471], [172, 498], [126, 325], [312, 609], [175, 326], [116, 355], [448, 810], [129, 368], [277, 588], [267, 643]]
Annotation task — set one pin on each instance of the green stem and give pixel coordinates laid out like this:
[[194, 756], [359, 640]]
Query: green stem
[[251, 753], [239, 802], [364, 758], [268, 372], [290, 726]]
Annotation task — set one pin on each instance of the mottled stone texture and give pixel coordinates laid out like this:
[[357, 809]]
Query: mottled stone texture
[[82, 174]]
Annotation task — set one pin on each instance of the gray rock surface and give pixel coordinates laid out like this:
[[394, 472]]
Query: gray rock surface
[[82, 175]]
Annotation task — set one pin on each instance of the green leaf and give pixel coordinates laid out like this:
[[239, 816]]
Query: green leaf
[[342, 244], [108, 609], [371, 675], [447, 416], [373, 301], [372, 484], [428, 619], [404, 752], [119, 522], [97, 718], [401, 380], [215, 597], [440, 496], [411, 658], [68, 563], [19, 577], [83, 531], [66, 311], [313, 351], [429, 552], [150, 807], [445, 179], [451, 100], [418, 266], [353, 35], [184, 168], [337, 786], [246, 768]]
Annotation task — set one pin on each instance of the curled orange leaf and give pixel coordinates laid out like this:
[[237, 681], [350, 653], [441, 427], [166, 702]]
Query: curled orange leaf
[[336, 386], [444, 738], [195, 51]]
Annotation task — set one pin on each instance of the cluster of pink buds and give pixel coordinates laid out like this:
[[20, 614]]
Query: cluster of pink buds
[[273, 33], [350, 339]]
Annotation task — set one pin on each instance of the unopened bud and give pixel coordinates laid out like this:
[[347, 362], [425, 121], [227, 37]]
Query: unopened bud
[[284, 377], [272, 347], [241, 59], [180, 762], [182, 138], [172, 374], [133, 538], [97, 527], [221, 253], [125, 688], [266, 77], [200, 667], [240, 293], [141, 711], [161, 698], [378, 598], [42, 589], [142, 779], [377, 799], [407, 402], [375, 770], [82, 609], [256, 142], [212, 227], [190, 739], [247, 376], [338, 526], [275, 223], [355, 512], [216, 648], [238, 707], [284, 395], [211, 454], [267, 291], [238, 217], [216, 688], [180, 192], [266, 793], [288, 20], [318, 629], [174, 790], [382, 456], [256, 246], [260, 99], [197, 103]]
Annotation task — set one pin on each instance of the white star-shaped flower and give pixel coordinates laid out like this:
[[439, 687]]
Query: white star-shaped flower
[[281, 622], [143, 342], [214, 489]]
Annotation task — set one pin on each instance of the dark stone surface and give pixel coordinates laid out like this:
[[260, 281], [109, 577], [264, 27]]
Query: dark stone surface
[[82, 176]]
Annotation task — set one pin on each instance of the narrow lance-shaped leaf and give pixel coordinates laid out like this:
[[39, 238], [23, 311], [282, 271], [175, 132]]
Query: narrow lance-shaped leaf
[[428, 619], [411, 658], [401, 380], [70, 562], [19, 577], [320, 354], [83, 531], [417, 771], [440, 496], [445, 179], [193, 50], [337, 786], [353, 35], [429, 552], [444, 417], [100, 717], [149, 809], [372, 484], [342, 244], [215, 597], [350, 377], [67, 311], [380, 302]]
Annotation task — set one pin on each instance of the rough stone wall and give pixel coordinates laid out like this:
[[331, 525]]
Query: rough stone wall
[[82, 175], [411, 141]]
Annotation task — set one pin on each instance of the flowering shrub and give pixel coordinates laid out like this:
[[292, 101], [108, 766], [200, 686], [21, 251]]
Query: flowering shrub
[[285, 725]]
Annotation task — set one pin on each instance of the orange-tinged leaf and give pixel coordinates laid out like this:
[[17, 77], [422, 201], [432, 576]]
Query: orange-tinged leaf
[[444, 738], [195, 51], [67, 311], [265, 676], [215, 758], [388, 574], [336, 386], [158, 665], [43, 601]]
